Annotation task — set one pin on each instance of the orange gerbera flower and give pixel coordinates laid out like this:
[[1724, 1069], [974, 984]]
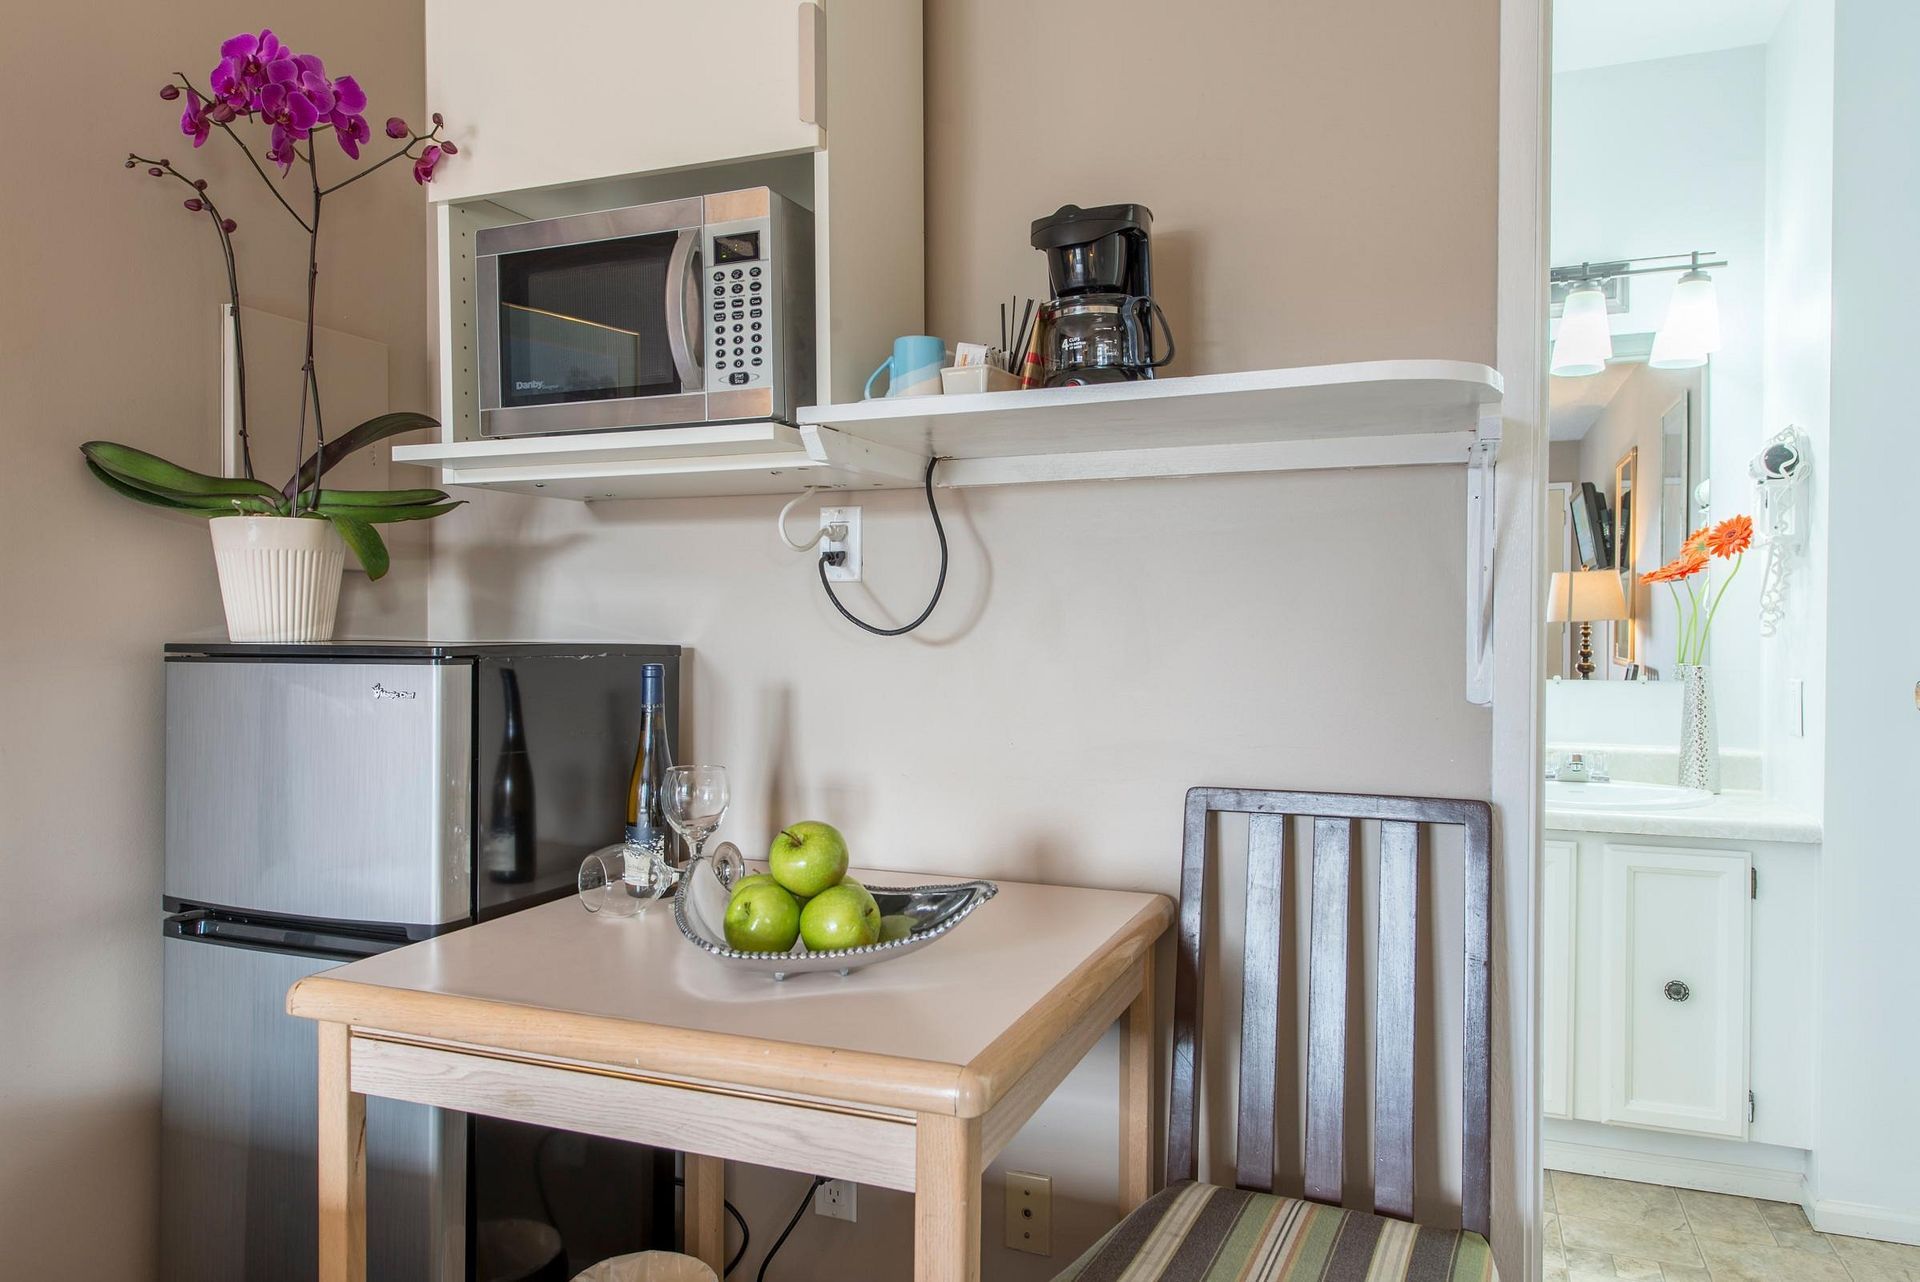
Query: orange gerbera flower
[[1697, 541], [1731, 537]]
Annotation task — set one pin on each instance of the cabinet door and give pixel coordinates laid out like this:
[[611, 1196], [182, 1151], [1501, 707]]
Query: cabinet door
[[568, 93], [1674, 977], [1557, 942]]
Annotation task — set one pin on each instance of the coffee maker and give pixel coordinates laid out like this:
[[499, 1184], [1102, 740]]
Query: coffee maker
[[1099, 325]]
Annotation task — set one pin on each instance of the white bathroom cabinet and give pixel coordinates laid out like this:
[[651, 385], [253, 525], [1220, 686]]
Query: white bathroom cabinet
[[1676, 976], [1674, 988]]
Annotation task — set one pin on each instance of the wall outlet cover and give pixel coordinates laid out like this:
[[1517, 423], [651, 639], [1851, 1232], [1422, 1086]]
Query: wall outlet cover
[[848, 571], [1029, 1212], [835, 1200]]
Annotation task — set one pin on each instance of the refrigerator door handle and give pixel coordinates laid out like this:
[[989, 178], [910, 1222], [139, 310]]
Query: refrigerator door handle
[[213, 928]]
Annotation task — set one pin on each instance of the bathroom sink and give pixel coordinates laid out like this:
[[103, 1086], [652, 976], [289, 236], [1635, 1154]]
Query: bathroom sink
[[1623, 796]]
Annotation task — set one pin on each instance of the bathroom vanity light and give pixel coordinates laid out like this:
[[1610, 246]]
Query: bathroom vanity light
[[1584, 344], [1692, 328], [1690, 333]]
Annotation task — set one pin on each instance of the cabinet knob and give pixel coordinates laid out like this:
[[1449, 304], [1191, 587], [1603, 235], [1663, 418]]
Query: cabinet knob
[[1677, 990]]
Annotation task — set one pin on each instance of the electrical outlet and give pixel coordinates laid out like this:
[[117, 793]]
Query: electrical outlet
[[848, 571], [835, 1200], [1029, 1213]]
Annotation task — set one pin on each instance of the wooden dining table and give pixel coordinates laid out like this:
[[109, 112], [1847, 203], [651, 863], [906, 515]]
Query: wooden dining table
[[912, 1074]]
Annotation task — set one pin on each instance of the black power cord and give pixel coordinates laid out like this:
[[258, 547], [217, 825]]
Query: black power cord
[[799, 1210], [827, 558], [734, 1211]]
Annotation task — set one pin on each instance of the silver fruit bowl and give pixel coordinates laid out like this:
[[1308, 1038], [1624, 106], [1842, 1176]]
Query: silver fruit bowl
[[700, 906]]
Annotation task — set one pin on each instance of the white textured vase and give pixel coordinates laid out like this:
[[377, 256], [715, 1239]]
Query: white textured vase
[[279, 576], [1699, 737]]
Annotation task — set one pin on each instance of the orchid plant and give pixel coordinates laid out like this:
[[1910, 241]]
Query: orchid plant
[[260, 81], [1728, 540]]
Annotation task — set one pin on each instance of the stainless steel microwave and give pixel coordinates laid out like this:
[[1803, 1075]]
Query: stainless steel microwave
[[685, 311]]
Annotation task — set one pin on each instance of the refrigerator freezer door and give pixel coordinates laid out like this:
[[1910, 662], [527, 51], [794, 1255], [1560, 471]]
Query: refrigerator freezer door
[[238, 1087], [324, 791]]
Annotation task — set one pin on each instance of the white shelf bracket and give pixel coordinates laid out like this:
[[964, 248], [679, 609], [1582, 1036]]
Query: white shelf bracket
[[1482, 456]]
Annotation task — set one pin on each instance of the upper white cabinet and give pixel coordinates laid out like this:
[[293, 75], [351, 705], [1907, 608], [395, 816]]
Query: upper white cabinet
[[544, 95], [1675, 978]]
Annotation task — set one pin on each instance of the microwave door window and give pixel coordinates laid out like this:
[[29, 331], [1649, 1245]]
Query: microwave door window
[[586, 322]]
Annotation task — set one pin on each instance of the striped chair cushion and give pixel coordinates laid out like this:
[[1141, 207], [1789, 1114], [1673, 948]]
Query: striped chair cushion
[[1204, 1233]]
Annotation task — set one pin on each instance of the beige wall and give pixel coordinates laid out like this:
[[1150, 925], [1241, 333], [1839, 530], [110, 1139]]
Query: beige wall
[[108, 330], [1323, 180]]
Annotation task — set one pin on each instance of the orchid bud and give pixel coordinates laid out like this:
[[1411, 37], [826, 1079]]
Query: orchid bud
[[438, 120], [228, 225], [169, 92], [397, 128], [222, 113], [194, 203], [130, 162], [199, 184], [155, 171], [449, 148]]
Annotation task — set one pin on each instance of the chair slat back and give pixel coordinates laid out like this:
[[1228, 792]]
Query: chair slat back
[[1260, 1004], [1397, 974]]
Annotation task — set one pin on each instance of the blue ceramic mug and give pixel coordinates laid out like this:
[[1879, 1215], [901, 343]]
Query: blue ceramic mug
[[913, 369]]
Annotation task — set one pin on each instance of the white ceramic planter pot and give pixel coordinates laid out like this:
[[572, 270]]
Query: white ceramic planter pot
[[279, 576]]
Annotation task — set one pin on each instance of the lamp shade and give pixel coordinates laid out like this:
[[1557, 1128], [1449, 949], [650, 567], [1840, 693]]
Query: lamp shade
[[1692, 328], [1585, 596], [1585, 341]]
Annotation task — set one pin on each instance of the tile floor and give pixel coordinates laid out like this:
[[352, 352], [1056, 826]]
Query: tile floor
[[1598, 1230]]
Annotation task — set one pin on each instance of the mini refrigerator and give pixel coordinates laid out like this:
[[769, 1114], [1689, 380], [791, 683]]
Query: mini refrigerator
[[329, 802]]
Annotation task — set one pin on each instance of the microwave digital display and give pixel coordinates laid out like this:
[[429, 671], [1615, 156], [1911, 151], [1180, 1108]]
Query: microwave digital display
[[736, 247]]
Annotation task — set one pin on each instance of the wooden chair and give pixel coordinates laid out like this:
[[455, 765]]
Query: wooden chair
[[1193, 1230]]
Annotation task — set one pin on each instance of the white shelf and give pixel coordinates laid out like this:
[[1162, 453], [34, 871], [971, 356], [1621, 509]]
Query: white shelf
[[1367, 414]]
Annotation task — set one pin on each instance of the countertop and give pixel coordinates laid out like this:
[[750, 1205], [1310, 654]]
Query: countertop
[[1739, 816]]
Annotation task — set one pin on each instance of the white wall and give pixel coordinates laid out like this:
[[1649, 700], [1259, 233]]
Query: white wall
[[1102, 646], [108, 330], [1665, 157], [1798, 381], [1868, 1030]]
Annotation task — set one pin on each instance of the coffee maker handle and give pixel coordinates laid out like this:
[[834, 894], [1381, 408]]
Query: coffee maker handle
[[1149, 310]]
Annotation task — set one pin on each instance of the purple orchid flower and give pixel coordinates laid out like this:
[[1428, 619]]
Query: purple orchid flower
[[351, 131], [193, 121], [423, 167]]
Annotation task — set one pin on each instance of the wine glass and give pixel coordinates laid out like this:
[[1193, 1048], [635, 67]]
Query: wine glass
[[620, 881], [693, 798]]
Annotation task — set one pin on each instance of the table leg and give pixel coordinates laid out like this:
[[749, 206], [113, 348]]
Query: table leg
[[343, 1163], [1139, 1061], [706, 1211], [946, 1199]]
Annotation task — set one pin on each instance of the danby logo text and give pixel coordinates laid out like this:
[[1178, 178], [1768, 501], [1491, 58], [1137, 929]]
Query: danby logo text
[[381, 692]]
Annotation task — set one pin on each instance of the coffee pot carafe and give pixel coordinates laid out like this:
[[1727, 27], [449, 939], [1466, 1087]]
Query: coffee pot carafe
[[1099, 326]]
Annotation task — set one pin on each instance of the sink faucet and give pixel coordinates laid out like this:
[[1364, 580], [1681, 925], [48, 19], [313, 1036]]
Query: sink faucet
[[1578, 767]]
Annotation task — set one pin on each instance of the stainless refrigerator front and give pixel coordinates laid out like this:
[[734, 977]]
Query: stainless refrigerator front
[[330, 802]]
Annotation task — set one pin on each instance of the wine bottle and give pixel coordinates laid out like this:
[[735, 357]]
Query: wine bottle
[[510, 828], [647, 833]]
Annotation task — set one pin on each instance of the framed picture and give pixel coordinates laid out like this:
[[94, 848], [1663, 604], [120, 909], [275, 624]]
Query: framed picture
[[1626, 540]]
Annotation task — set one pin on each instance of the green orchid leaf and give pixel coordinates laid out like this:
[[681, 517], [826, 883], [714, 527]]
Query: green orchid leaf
[[365, 542], [387, 515], [374, 429], [156, 475], [198, 507], [380, 498]]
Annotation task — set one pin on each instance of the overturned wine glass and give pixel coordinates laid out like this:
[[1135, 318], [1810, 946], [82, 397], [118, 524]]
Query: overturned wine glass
[[623, 880]]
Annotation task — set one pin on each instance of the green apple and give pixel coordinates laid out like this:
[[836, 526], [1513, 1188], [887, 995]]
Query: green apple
[[761, 917], [808, 857], [842, 916], [756, 879]]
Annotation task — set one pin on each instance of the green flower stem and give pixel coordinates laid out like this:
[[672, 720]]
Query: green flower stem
[[1715, 607]]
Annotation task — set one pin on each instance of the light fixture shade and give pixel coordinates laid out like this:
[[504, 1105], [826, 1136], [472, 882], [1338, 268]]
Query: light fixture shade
[[1692, 328], [1585, 342], [1585, 596]]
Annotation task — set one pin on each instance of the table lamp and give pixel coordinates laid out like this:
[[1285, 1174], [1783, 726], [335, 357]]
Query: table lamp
[[1585, 597]]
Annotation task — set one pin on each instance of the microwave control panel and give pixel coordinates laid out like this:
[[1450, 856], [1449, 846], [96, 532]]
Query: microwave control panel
[[740, 291]]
